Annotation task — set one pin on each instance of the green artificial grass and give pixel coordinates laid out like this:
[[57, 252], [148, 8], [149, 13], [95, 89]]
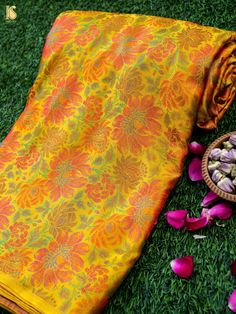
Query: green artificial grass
[[150, 286]]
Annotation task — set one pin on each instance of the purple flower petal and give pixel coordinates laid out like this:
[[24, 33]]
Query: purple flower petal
[[183, 266], [193, 224], [196, 148], [209, 198], [176, 218], [222, 211], [232, 301], [194, 170]]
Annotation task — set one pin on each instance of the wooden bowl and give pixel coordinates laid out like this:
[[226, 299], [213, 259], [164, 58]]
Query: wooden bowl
[[205, 173]]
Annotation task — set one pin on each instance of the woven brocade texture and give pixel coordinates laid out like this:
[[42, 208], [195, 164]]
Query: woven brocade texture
[[89, 163]]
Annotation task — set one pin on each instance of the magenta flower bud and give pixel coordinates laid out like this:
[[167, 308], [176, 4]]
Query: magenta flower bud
[[192, 224], [213, 165], [176, 218], [209, 198], [227, 145], [222, 211], [232, 301], [195, 170], [183, 266], [225, 167], [232, 139], [196, 148], [217, 176], [215, 154], [226, 185], [233, 268]]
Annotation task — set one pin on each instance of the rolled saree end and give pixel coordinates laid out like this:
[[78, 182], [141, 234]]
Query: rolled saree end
[[220, 86]]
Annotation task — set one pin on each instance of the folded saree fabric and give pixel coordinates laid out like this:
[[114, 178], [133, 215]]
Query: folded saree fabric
[[88, 165]]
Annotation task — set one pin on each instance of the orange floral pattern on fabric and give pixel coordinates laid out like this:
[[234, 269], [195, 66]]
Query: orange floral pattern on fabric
[[90, 162]]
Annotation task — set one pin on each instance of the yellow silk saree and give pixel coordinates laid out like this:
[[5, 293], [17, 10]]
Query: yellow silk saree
[[90, 162]]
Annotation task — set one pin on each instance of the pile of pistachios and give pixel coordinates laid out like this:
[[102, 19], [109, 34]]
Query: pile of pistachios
[[222, 165]]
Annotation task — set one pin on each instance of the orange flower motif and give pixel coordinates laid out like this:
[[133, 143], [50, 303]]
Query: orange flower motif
[[97, 279], [68, 173], [86, 35], [172, 92], [31, 194], [70, 248], [201, 61], [173, 136], [93, 109], [57, 68], [130, 84], [19, 232], [66, 22], [13, 263], [59, 34], [5, 155], [54, 41], [192, 36], [3, 186], [11, 140], [128, 172], [138, 126], [114, 23], [6, 209], [108, 232], [140, 215], [100, 190], [49, 269], [162, 50], [23, 162], [51, 140], [62, 218], [60, 103], [58, 262], [28, 119], [95, 68], [95, 138], [127, 44], [170, 156]]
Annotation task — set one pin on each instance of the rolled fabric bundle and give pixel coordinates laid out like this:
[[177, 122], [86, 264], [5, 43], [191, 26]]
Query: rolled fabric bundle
[[88, 165]]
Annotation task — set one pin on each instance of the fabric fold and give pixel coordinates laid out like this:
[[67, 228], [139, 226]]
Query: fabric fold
[[88, 165], [220, 87]]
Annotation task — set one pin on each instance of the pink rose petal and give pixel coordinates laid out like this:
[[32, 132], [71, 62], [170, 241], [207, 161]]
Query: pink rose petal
[[176, 218], [232, 301], [222, 211], [196, 148], [183, 266], [193, 224], [205, 213], [233, 268], [194, 170], [209, 198]]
